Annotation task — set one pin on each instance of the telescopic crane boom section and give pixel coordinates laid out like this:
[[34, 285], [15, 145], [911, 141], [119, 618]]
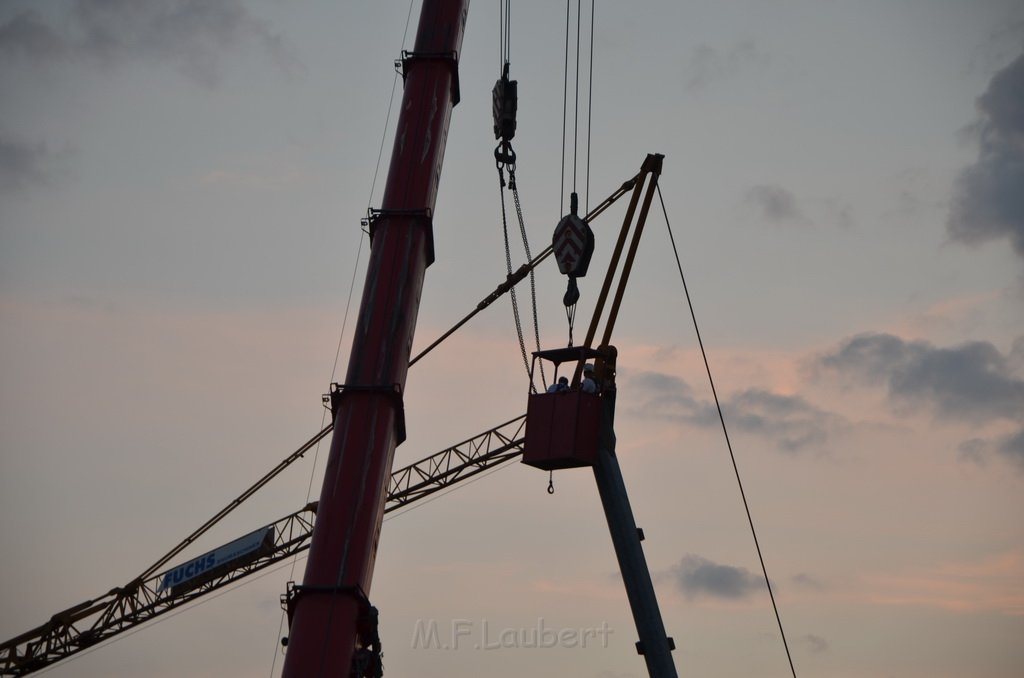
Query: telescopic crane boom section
[[573, 427], [655, 646], [329, 608]]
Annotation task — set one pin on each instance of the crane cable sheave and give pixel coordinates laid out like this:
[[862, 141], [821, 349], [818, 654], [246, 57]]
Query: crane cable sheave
[[505, 103], [573, 245]]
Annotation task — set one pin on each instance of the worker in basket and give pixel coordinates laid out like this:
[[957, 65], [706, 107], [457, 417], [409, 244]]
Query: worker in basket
[[559, 386], [589, 384]]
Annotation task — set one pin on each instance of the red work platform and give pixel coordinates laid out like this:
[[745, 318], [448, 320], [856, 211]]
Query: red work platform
[[562, 428]]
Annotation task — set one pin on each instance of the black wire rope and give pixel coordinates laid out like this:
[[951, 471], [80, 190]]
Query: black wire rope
[[504, 32], [590, 107], [570, 311], [576, 115], [565, 99], [725, 431], [508, 30], [501, 290]]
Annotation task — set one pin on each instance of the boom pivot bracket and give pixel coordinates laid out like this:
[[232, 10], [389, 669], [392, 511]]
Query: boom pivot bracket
[[393, 391], [425, 217], [410, 59]]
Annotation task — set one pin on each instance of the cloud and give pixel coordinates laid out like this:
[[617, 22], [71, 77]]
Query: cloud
[[708, 65], [24, 164], [974, 451], [845, 218], [1001, 44], [988, 202], [978, 451], [698, 576], [256, 179], [971, 382], [27, 35], [792, 422], [814, 644], [807, 581], [189, 33], [990, 583], [1013, 448], [775, 204], [1016, 357], [669, 398]]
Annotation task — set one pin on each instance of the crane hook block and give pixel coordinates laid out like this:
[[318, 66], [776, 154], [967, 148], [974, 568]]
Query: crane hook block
[[573, 243], [572, 292], [505, 100]]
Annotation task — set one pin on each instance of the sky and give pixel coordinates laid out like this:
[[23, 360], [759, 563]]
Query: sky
[[181, 185]]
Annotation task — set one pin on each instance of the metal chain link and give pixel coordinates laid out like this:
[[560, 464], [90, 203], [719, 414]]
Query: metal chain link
[[508, 267], [529, 257]]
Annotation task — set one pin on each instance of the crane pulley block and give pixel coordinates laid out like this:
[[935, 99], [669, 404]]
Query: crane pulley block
[[505, 100], [573, 243]]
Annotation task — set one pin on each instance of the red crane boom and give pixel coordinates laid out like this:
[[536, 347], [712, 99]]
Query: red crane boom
[[329, 609]]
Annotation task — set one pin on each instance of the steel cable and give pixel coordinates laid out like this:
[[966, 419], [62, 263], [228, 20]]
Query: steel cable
[[725, 431], [590, 107], [576, 115], [565, 99]]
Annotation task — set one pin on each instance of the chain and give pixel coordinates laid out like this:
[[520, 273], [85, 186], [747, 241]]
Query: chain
[[508, 267], [529, 257]]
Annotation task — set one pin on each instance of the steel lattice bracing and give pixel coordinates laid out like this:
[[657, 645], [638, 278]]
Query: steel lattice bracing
[[502, 443], [95, 621]]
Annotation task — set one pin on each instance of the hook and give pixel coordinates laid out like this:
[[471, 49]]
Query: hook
[[551, 482]]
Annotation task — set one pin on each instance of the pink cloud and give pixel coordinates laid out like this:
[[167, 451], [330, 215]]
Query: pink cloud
[[995, 583]]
